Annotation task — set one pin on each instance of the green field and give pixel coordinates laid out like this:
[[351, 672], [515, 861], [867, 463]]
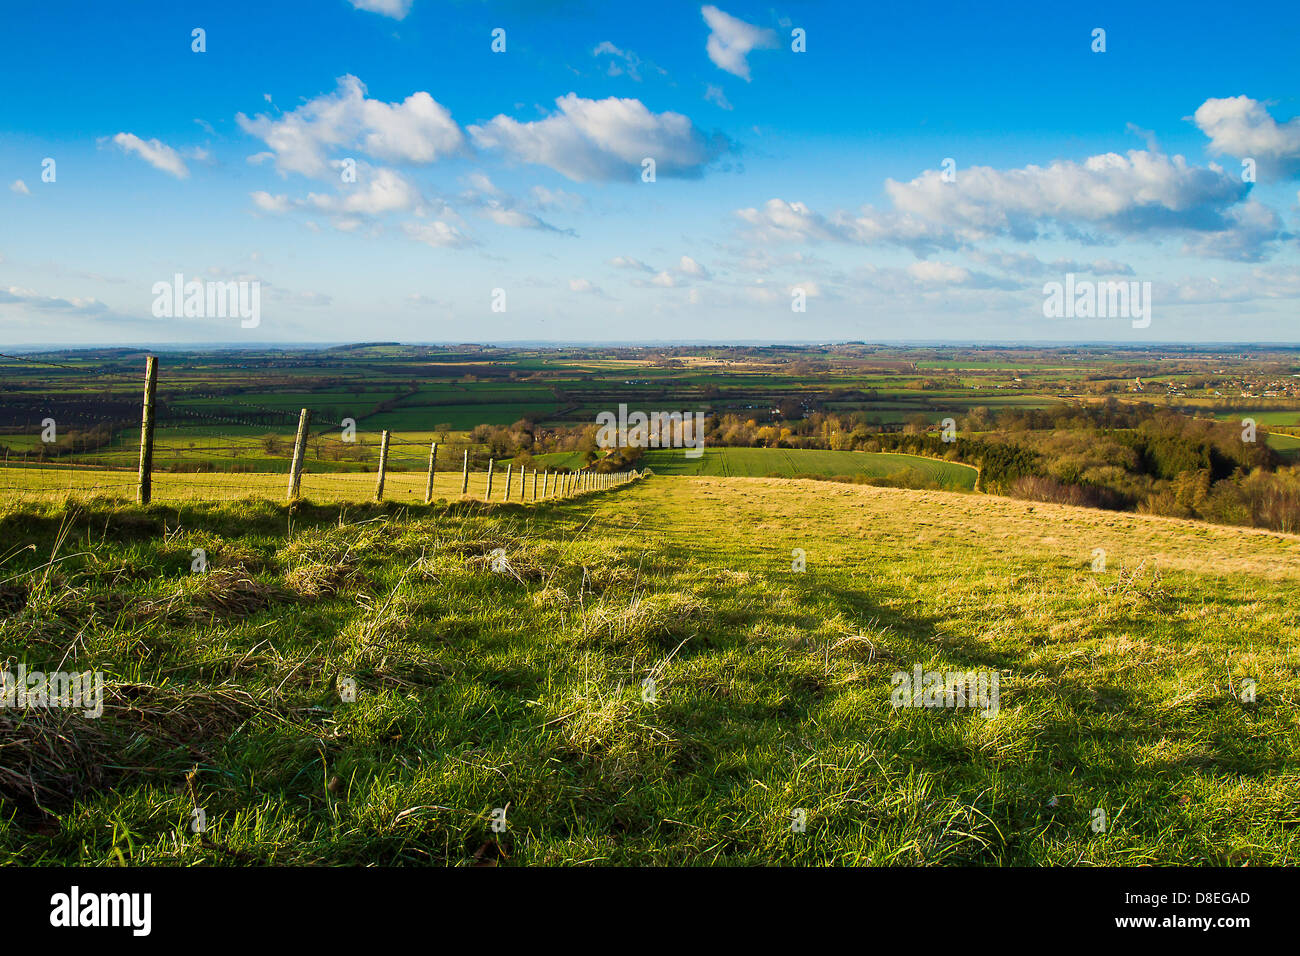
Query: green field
[[760, 462], [1288, 446], [501, 656]]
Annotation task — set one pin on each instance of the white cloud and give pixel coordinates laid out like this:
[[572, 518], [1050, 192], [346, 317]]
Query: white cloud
[[664, 279], [627, 262], [479, 182], [1140, 194], [794, 221], [437, 234], [1250, 234], [397, 9], [376, 193], [692, 268], [602, 140], [938, 273], [504, 215], [731, 40], [20, 187], [544, 198], [417, 130], [1027, 265], [687, 269], [268, 203], [586, 286], [713, 94], [154, 152], [621, 61], [1241, 127], [14, 295], [1134, 193]]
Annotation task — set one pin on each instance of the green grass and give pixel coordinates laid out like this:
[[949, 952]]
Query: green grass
[[911, 470], [1288, 446], [483, 685]]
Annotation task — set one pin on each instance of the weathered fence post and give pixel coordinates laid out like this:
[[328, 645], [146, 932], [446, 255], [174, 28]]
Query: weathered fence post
[[383, 465], [299, 453], [546, 482], [487, 495], [146, 430], [523, 478], [534, 484], [428, 486], [510, 467], [464, 478]]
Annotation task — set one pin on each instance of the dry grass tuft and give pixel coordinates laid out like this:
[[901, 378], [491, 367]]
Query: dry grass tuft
[[219, 593]]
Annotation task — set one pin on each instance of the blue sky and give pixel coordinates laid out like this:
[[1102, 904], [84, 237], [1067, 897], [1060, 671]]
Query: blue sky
[[521, 171]]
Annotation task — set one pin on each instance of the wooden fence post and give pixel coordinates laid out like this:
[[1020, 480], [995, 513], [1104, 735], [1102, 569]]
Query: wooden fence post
[[464, 478], [523, 478], [383, 465], [510, 467], [299, 453], [546, 482], [146, 430], [487, 495], [428, 487], [534, 484]]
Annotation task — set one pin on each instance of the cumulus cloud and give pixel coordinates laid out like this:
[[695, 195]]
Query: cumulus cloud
[[1134, 193], [376, 193], [1251, 233], [586, 287], [602, 140], [687, 270], [493, 204], [397, 9], [1241, 127], [268, 203], [692, 268], [1105, 197], [781, 220], [154, 152], [417, 130], [731, 40], [19, 187]]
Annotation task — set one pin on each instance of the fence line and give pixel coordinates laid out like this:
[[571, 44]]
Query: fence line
[[405, 470]]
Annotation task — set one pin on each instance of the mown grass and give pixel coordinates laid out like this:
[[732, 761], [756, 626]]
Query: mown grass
[[904, 470], [486, 683]]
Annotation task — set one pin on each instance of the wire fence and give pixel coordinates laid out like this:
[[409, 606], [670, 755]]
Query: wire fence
[[239, 449]]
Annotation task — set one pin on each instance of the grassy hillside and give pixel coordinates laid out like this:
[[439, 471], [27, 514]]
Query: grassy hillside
[[484, 685], [761, 462]]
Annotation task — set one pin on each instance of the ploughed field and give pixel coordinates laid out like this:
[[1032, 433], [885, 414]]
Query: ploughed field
[[500, 657]]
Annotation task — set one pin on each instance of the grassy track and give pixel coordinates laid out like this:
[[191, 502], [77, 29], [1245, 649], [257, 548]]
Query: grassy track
[[522, 687], [761, 462]]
